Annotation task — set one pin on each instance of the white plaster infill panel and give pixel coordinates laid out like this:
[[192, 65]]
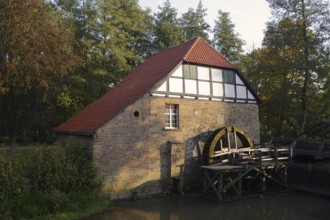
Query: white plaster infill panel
[[241, 92], [203, 73], [216, 75], [250, 96], [217, 89], [163, 87], [176, 85], [178, 72], [238, 80], [229, 90], [190, 86], [204, 88]]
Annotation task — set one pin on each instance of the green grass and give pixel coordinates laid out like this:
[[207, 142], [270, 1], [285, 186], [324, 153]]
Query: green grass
[[93, 207], [76, 207]]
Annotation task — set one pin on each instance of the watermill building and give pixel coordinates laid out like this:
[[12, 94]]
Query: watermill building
[[147, 134]]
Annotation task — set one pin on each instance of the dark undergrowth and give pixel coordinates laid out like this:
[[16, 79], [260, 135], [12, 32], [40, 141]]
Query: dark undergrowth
[[49, 183]]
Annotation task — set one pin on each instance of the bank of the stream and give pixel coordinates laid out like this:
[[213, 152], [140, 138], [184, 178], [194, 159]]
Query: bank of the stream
[[291, 205], [309, 198]]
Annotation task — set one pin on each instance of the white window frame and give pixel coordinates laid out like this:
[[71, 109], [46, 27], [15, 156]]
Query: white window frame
[[171, 116]]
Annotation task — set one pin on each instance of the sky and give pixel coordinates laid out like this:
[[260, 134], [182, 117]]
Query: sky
[[248, 16]]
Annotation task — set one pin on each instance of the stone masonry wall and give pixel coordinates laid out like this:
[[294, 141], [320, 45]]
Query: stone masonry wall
[[137, 157]]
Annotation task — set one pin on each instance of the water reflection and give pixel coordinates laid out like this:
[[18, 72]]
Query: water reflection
[[283, 206]]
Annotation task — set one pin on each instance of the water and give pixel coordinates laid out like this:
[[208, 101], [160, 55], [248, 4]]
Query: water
[[284, 206]]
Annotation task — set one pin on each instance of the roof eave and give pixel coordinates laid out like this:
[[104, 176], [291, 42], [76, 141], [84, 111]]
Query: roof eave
[[75, 133]]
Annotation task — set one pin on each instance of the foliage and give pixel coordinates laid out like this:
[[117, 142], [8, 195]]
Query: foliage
[[36, 52], [193, 23], [45, 181], [225, 40], [278, 71], [310, 37], [167, 29], [111, 39]]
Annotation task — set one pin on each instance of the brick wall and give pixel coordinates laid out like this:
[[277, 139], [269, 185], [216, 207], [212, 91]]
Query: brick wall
[[137, 157]]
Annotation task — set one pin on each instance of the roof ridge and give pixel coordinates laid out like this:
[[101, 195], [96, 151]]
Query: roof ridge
[[192, 47], [172, 48], [200, 38]]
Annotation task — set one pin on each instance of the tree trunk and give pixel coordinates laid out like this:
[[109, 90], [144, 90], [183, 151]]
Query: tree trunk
[[304, 102], [13, 138]]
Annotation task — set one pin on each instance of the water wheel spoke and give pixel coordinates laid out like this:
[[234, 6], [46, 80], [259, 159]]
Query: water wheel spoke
[[222, 142]]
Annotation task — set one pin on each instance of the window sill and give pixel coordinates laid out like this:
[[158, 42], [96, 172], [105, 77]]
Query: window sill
[[171, 129]]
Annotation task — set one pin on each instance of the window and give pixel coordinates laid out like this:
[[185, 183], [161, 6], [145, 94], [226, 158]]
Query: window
[[189, 71], [229, 76], [171, 116]]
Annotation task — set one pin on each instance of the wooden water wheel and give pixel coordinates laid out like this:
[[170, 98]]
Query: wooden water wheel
[[222, 142]]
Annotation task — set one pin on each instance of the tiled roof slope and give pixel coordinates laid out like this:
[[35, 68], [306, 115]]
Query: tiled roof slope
[[139, 82], [203, 53]]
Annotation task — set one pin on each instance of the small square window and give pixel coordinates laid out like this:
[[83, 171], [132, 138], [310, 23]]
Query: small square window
[[171, 116], [189, 71], [229, 76]]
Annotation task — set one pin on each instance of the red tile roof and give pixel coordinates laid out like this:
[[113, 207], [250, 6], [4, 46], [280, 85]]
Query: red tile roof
[[139, 82], [202, 53]]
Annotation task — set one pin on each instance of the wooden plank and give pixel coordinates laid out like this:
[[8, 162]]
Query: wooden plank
[[235, 138], [228, 138]]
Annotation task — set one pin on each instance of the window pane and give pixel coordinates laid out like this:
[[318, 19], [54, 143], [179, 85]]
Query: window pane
[[185, 69], [229, 76], [189, 71], [171, 116]]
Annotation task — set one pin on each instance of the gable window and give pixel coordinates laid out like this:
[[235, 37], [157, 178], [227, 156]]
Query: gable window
[[189, 71], [171, 116], [229, 76]]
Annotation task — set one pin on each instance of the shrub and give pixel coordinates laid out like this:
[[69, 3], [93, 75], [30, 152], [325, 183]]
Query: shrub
[[12, 179], [64, 169], [45, 180]]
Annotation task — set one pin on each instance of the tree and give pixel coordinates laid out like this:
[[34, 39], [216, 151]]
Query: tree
[[225, 40], [112, 41], [312, 24], [118, 26], [168, 33], [193, 23], [36, 53], [280, 77], [276, 71]]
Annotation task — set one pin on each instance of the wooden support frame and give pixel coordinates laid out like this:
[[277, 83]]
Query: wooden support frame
[[267, 163], [214, 179]]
